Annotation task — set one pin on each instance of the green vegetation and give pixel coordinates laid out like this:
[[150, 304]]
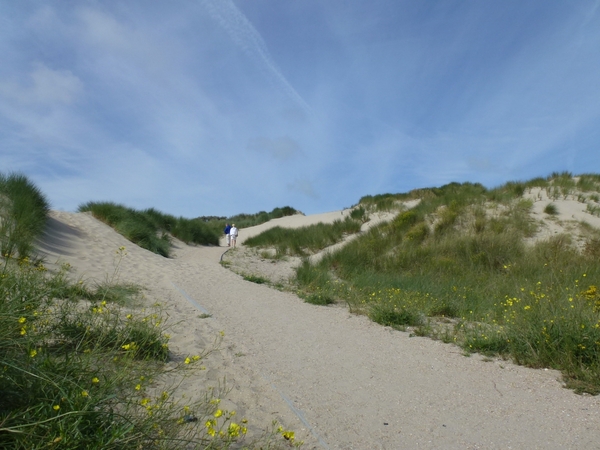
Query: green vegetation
[[457, 267], [151, 229], [551, 209], [217, 224], [23, 213], [90, 374], [251, 220], [85, 367], [381, 202], [319, 299], [255, 279], [304, 240]]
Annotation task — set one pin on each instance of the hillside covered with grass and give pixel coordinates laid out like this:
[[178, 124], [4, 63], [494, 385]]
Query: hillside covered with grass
[[153, 230], [476, 267], [510, 272]]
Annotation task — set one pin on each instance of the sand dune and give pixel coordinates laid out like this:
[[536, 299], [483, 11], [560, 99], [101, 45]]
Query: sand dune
[[338, 380]]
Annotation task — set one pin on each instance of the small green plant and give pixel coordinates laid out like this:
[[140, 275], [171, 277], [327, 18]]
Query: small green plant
[[551, 209], [255, 279], [592, 209], [319, 299], [359, 214], [389, 315]]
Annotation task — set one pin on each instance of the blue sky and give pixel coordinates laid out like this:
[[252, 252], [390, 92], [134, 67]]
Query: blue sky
[[218, 107]]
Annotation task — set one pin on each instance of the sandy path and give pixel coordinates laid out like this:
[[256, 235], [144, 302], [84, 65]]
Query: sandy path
[[339, 381]]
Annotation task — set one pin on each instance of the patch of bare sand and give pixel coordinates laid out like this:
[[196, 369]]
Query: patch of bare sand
[[340, 381], [570, 214]]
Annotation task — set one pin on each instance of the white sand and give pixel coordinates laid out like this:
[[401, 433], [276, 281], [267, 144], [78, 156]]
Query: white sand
[[339, 381]]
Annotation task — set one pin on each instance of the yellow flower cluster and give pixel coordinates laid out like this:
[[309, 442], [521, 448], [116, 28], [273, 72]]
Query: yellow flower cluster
[[287, 434], [227, 428]]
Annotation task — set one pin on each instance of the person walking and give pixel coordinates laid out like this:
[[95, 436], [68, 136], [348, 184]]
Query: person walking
[[227, 237], [233, 234]]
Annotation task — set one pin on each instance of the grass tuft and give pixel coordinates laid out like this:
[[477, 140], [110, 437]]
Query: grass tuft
[[23, 215], [551, 209], [255, 279]]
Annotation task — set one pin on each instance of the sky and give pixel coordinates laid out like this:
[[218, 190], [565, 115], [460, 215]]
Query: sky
[[221, 107]]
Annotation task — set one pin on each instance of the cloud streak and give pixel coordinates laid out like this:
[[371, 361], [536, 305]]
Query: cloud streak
[[245, 36]]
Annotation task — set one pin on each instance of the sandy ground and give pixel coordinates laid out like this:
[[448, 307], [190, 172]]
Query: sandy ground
[[338, 380]]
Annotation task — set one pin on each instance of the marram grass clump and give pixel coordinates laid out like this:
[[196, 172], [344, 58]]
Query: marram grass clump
[[23, 214]]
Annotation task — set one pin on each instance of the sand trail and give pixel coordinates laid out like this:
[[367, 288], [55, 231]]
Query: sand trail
[[338, 380]]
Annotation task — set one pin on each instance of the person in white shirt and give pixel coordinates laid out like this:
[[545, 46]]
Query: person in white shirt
[[233, 234]]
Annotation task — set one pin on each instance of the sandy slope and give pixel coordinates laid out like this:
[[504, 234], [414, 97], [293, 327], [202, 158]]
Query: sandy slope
[[338, 380]]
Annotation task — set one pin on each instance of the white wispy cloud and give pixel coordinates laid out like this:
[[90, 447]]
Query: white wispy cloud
[[43, 85], [244, 35]]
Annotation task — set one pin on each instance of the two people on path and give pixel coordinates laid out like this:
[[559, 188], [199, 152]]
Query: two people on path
[[227, 236], [233, 234]]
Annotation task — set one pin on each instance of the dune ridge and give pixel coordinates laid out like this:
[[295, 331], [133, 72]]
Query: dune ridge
[[338, 380]]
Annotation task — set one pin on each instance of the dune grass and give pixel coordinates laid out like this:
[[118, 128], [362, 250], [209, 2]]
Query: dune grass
[[457, 267], [23, 214], [304, 240], [250, 220], [243, 220], [151, 229]]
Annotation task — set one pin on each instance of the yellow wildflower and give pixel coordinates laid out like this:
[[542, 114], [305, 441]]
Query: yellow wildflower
[[233, 430]]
